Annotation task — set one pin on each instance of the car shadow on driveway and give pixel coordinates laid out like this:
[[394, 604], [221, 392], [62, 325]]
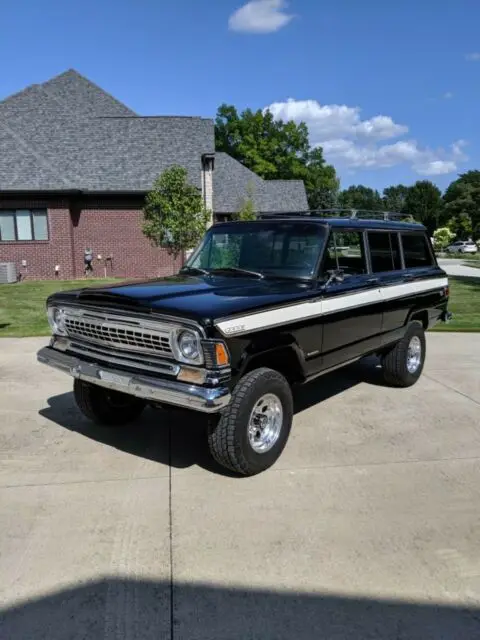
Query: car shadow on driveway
[[149, 610], [179, 438]]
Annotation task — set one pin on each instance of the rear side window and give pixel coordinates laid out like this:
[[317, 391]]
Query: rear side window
[[416, 251], [384, 251], [345, 251]]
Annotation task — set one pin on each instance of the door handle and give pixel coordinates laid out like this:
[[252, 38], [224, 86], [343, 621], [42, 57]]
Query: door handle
[[373, 280]]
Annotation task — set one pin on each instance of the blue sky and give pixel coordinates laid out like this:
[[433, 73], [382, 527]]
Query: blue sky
[[390, 90]]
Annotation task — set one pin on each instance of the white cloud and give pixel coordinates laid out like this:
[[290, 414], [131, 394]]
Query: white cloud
[[352, 143], [260, 16], [437, 168], [422, 160], [331, 120], [473, 57]]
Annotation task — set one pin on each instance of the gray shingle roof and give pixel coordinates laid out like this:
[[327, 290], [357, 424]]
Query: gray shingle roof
[[69, 94], [67, 133], [233, 184]]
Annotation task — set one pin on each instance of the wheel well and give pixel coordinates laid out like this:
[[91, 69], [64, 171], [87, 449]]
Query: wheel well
[[421, 316], [285, 361]]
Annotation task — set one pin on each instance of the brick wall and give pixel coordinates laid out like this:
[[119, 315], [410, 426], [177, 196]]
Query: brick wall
[[42, 257], [108, 226], [117, 232]]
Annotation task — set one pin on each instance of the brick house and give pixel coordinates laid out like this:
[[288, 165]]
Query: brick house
[[75, 165]]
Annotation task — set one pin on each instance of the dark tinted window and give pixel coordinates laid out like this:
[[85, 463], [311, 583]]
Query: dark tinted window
[[284, 249], [384, 251], [416, 251], [345, 251]]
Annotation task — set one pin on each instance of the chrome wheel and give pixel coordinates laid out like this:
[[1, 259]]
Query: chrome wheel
[[414, 354], [265, 423]]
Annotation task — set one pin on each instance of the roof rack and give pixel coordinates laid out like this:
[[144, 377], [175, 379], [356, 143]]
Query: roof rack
[[355, 214]]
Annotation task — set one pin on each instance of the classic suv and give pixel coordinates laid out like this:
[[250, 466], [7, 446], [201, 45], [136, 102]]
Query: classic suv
[[259, 307]]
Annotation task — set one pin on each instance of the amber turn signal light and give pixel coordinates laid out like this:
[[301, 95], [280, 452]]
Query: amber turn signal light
[[221, 355]]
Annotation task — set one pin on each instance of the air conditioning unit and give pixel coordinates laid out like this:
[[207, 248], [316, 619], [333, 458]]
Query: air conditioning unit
[[8, 272]]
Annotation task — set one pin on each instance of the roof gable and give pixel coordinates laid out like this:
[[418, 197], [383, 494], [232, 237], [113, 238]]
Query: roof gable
[[234, 183], [68, 94], [83, 97], [67, 133]]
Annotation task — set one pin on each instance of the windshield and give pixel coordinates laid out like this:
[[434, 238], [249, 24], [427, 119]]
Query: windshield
[[289, 249]]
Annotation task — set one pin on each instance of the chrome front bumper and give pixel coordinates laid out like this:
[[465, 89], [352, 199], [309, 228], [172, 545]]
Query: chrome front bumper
[[180, 394]]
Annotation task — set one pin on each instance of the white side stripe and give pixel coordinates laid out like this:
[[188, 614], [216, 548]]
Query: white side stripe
[[319, 307], [409, 288]]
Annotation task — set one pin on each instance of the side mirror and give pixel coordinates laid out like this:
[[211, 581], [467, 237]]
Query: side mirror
[[335, 276]]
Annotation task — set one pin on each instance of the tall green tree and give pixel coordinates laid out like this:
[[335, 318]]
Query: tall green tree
[[360, 197], [424, 202], [174, 213], [462, 204], [276, 150], [321, 182], [394, 198]]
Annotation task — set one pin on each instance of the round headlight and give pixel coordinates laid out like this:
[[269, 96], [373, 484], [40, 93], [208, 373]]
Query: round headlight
[[56, 319], [188, 345]]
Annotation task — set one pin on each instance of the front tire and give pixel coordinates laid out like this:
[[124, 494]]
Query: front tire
[[106, 407], [403, 364], [252, 431]]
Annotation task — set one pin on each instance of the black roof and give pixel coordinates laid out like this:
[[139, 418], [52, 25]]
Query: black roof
[[343, 222]]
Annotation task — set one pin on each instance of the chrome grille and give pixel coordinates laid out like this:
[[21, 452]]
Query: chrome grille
[[128, 334]]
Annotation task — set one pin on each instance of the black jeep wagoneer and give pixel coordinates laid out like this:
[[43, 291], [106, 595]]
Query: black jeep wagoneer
[[258, 307]]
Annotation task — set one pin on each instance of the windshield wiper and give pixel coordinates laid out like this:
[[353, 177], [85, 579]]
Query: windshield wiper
[[194, 270], [245, 272]]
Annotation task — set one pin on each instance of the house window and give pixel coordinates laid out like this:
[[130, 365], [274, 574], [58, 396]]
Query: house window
[[23, 224]]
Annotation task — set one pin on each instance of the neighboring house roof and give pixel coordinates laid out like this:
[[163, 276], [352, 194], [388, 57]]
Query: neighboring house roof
[[233, 183], [69, 134], [57, 136]]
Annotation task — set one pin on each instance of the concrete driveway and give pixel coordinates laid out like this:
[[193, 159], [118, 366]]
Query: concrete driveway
[[368, 526], [458, 267]]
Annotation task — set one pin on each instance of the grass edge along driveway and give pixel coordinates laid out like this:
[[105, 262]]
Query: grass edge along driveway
[[22, 305], [23, 309]]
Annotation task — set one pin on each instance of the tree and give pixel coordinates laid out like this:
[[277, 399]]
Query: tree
[[394, 198], [271, 148], [424, 203], [175, 216], [360, 197], [442, 237], [321, 182], [276, 150], [247, 210], [461, 225], [462, 204]]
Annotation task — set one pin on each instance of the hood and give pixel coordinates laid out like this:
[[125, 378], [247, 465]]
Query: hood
[[202, 298]]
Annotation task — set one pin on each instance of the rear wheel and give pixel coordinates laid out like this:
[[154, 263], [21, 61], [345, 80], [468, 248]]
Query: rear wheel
[[403, 364], [106, 407], [252, 431]]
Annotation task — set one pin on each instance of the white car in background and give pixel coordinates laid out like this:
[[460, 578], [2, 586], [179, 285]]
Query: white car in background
[[462, 246]]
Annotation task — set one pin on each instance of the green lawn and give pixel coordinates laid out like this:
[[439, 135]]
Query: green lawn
[[22, 305], [464, 304], [474, 257]]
